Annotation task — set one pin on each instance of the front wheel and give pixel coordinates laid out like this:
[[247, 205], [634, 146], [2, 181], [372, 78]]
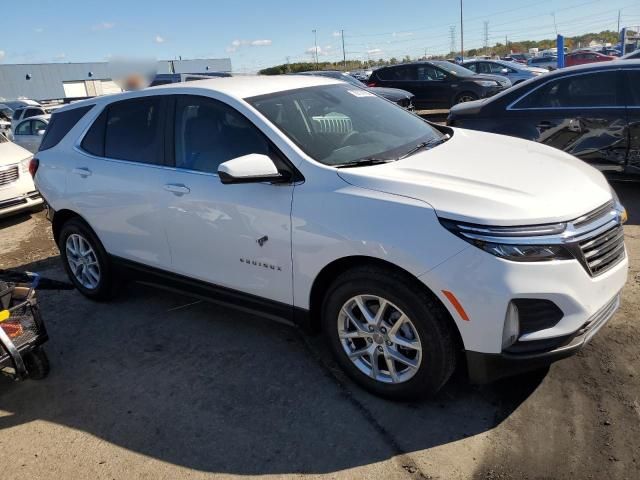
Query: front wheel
[[466, 97], [388, 334]]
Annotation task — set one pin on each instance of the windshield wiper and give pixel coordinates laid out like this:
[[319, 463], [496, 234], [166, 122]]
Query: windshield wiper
[[363, 162], [429, 144]]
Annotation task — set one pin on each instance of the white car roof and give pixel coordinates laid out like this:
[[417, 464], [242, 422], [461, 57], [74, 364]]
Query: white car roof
[[238, 87], [251, 86], [44, 118]]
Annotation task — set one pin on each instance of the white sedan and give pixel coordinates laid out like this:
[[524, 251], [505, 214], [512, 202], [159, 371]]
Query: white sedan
[[17, 191], [29, 132]]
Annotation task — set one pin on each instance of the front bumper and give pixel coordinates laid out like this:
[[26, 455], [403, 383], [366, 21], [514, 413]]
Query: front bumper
[[17, 204], [488, 367]]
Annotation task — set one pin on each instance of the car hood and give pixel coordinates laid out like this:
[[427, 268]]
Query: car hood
[[391, 93], [11, 153], [491, 179]]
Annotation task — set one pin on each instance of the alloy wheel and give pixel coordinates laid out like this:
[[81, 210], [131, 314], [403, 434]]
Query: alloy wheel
[[379, 339], [82, 261]]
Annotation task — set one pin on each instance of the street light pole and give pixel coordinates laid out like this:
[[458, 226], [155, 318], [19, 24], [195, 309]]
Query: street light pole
[[344, 54], [315, 45], [461, 34]]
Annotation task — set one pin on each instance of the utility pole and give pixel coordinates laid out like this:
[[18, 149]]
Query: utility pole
[[452, 38], [619, 22], [288, 64], [461, 34], [344, 54], [315, 45], [506, 45], [486, 37], [555, 26]]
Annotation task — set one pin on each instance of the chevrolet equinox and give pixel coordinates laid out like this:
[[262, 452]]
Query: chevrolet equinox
[[414, 247]]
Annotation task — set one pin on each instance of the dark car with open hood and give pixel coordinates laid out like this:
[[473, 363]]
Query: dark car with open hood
[[590, 111]]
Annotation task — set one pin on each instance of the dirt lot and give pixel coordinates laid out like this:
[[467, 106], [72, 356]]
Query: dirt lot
[[155, 385]]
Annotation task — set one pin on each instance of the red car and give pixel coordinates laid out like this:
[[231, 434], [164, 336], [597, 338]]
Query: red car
[[580, 58]]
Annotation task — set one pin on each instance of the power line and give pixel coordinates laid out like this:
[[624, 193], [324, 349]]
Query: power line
[[452, 38]]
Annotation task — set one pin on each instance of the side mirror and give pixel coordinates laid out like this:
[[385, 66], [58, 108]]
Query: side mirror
[[40, 132], [252, 168], [504, 71]]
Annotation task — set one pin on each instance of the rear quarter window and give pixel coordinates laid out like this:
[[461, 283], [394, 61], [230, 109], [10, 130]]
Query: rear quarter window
[[60, 124]]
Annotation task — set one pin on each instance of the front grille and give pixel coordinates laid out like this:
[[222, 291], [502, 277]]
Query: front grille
[[8, 176], [603, 251]]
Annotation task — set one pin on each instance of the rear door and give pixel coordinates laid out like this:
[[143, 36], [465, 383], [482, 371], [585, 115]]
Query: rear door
[[117, 176], [404, 77], [582, 114]]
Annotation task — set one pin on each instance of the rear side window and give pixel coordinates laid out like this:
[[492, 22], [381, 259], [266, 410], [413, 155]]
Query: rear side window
[[60, 124], [576, 91], [16, 114], [401, 73], [129, 130], [134, 130]]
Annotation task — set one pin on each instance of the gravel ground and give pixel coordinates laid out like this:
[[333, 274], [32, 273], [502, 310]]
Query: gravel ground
[[156, 385]]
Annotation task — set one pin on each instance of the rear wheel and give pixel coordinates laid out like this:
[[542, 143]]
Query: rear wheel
[[388, 334], [85, 260], [466, 97], [36, 363]]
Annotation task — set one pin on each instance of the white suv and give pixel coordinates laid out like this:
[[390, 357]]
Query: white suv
[[312, 200]]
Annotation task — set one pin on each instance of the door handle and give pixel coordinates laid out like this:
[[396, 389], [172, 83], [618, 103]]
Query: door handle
[[83, 172], [177, 189], [545, 125]]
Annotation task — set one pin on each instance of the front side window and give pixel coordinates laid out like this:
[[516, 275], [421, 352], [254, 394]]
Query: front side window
[[37, 125], [133, 130], [576, 91], [208, 133], [340, 124], [32, 112], [430, 73], [633, 86], [472, 66], [24, 128], [16, 114]]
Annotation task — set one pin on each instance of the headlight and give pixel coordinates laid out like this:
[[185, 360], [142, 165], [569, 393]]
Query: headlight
[[514, 243], [486, 83], [24, 165], [619, 207]]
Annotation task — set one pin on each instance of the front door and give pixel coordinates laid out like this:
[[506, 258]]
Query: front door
[[235, 236], [582, 114]]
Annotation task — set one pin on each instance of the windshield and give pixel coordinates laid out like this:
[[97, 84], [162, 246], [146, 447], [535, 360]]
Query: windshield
[[341, 124], [454, 69]]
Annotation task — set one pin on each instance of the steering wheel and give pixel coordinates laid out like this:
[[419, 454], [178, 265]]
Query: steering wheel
[[348, 137]]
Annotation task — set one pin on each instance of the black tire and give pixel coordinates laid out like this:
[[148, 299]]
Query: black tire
[[106, 286], [37, 364], [465, 97], [431, 321]]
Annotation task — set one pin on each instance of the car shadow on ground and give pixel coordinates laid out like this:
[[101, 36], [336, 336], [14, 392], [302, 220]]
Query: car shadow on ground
[[217, 390]]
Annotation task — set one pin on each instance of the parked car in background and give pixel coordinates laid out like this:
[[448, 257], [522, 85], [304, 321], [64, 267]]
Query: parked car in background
[[167, 78], [514, 71], [590, 111], [635, 55], [395, 95], [17, 191], [407, 243], [21, 113], [5, 120], [519, 57], [548, 62], [438, 84], [362, 75], [583, 57], [28, 133]]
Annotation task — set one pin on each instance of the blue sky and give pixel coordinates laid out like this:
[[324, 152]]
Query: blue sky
[[259, 33]]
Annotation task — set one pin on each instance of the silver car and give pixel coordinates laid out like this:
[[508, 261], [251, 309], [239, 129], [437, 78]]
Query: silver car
[[514, 71]]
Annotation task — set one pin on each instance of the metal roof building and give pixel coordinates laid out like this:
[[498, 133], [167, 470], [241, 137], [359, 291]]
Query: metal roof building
[[72, 80]]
